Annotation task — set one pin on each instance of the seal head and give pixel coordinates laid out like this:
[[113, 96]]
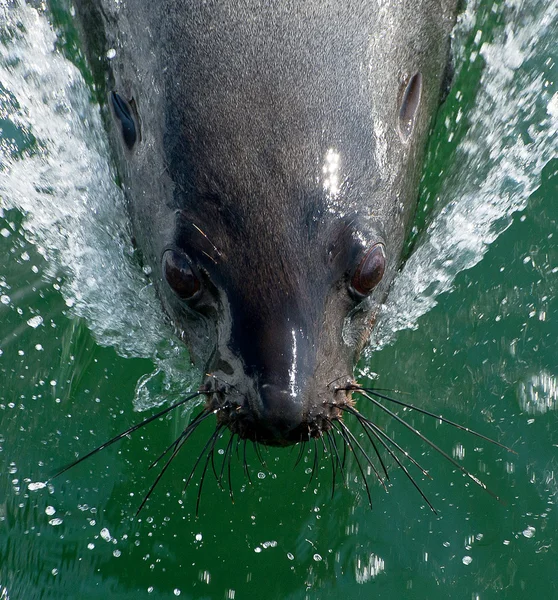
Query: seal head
[[271, 156]]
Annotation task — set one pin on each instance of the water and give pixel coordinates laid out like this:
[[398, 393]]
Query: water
[[469, 331]]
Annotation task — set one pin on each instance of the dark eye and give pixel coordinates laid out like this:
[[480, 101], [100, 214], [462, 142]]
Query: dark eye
[[409, 106], [179, 275], [370, 271], [124, 115]]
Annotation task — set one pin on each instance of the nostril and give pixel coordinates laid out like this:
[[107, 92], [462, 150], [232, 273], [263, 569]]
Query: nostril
[[281, 412]]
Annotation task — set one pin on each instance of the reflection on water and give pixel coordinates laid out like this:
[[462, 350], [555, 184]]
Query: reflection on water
[[539, 394]]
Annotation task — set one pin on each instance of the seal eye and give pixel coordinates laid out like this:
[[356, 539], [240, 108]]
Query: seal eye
[[180, 275], [370, 271], [124, 115]]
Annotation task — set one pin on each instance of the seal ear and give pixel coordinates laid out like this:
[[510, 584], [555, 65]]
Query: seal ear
[[410, 102], [123, 113]]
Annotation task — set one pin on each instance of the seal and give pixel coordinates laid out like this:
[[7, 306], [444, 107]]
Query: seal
[[271, 154]]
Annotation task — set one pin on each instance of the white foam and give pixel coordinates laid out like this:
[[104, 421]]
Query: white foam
[[75, 213], [497, 166]]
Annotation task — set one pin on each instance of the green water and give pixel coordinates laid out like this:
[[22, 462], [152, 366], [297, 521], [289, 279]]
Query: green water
[[484, 355]]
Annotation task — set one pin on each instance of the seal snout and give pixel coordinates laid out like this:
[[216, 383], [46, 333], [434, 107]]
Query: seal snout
[[281, 415], [272, 414]]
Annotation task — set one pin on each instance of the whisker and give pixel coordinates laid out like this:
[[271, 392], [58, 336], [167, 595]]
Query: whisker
[[385, 390], [324, 444], [334, 380], [431, 444], [207, 238], [226, 384], [177, 446], [315, 462], [236, 447], [228, 453], [377, 431], [363, 451], [159, 475], [223, 462], [229, 474], [218, 430], [246, 470], [359, 416], [344, 452], [336, 450], [196, 421], [333, 464], [337, 425], [259, 454], [300, 453], [217, 434], [214, 469], [127, 432], [433, 415]]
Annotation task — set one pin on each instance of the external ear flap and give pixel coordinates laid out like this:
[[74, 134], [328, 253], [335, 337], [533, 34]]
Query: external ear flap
[[410, 103], [124, 115]]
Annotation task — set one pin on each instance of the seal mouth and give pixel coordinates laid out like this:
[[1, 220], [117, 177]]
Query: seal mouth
[[280, 422]]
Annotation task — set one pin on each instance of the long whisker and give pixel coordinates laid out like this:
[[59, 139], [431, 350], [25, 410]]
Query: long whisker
[[246, 470], [214, 469], [430, 443], [236, 447], [228, 453], [356, 413], [196, 421], [341, 427], [127, 432], [217, 434], [177, 446], [336, 450], [343, 462], [333, 463], [323, 444], [259, 454], [315, 462], [159, 475], [364, 453], [378, 433], [374, 392], [229, 474], [300, 453], [223, 462]]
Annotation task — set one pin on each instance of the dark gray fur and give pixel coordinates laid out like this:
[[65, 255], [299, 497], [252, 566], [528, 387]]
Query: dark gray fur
[[238, 103]]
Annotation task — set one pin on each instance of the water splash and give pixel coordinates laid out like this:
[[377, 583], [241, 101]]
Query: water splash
[[511, 136], [55, 168]]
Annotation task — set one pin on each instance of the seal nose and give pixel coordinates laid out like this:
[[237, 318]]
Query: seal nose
[[281, 412]]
